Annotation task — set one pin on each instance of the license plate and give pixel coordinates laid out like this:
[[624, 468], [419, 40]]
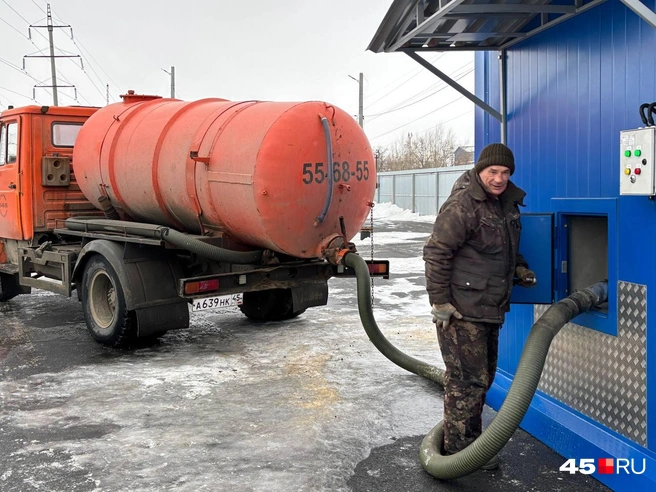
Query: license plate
[[217, 302]]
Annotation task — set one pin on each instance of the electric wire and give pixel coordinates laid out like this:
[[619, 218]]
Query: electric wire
[[431, 87], [10, 25], [15, 11], [415, 72], [16, 93], [90, 65], [398, 108], [39, 7], [102, 94], [432, 127], [24, 72], [419, 118], [82, 49]]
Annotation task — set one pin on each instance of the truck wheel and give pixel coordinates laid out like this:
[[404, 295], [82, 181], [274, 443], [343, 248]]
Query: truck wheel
[[269, 305], [103, 301]]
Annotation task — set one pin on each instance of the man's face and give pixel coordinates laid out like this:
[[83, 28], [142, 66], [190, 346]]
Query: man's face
[[495, 179]]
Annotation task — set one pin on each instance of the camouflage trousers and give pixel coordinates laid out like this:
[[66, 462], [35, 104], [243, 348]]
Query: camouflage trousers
[[469, 351]]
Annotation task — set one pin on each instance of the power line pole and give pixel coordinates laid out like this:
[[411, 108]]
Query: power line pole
[[172, 82], [360, 81], [52, 58], [51, 27], [361, 101], [107, 95], [172, 74]]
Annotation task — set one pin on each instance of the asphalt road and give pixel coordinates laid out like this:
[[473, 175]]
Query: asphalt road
[[228, 405]]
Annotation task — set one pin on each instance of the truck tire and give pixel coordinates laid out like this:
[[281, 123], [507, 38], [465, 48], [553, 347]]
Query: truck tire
[[269, 305], [103, 301]]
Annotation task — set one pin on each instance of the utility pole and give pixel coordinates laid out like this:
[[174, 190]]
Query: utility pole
[[52, 58], [172, 74], [107, 95], [360, 81], [172, 82], [51, 27]]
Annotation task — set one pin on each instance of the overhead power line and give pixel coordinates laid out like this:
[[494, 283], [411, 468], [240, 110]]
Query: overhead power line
[[16, 93], [82, 49], [414, 71], [10, 25], [432, 127], [38, 6], [24, 72], [398, 108], [419, 118]]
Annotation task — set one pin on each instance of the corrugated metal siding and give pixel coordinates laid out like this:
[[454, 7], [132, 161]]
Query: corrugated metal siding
[[571, 90], [425, 186], [422, 191]]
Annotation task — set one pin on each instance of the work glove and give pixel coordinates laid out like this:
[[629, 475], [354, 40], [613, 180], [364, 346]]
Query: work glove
[[526, 277], [442, 314]]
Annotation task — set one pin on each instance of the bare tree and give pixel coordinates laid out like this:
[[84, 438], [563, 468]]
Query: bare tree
[[431, 149]]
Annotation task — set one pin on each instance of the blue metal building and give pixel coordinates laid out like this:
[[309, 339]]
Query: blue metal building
[[561, 83]]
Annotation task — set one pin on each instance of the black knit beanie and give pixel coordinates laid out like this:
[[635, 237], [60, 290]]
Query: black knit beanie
[[495, 154]]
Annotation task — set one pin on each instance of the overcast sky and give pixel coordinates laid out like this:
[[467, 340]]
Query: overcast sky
[[282, 50]]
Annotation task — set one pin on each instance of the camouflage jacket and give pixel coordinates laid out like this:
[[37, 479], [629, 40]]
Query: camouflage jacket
[[473, 251]]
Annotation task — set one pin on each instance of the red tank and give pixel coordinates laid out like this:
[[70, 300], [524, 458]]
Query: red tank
[[254, 170]]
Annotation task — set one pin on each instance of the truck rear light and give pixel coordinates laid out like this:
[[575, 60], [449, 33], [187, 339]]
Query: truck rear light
[[378, 268], [200, 286]]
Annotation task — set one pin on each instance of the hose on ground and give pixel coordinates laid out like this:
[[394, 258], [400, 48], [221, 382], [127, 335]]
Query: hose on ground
[[522, 389], [178, 239]]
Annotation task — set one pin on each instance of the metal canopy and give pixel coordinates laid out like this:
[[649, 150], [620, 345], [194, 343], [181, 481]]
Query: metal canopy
[[470, 25], [477, 25]]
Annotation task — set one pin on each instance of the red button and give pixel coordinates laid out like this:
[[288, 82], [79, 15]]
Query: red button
[[637, 170]]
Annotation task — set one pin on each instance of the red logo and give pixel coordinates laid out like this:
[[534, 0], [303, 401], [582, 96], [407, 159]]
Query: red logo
[[606, 466]]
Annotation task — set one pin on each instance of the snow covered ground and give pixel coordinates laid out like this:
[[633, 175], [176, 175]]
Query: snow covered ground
[[226, 404]]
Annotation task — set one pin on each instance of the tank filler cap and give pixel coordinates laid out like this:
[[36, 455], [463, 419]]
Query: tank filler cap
[[131, 97]]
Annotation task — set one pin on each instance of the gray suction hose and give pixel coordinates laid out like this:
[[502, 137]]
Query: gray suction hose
[[521, 390], [222, 255], [405, 361], [178, 239]]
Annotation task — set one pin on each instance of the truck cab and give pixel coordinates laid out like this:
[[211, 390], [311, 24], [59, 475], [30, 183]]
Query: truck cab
[[38, 190]]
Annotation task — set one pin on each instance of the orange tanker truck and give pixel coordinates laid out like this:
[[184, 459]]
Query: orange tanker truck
[[150, 205]]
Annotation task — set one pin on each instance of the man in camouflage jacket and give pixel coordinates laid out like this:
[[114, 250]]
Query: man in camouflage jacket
[[471, 258]]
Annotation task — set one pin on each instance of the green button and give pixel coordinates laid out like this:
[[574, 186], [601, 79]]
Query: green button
[[638, 153], [627, 153]]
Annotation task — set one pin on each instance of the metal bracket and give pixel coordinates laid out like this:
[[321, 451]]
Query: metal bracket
[[479, 102], [647, 14]]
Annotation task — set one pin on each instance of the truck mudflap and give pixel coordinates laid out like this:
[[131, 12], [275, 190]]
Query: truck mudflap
[[309, 295], [156, 319]]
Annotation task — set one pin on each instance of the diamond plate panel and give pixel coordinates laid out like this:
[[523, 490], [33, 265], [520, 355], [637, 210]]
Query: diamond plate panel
[[603, 376]]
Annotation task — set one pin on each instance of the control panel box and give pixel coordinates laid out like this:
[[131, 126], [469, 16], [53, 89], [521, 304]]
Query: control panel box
[[637, 155]]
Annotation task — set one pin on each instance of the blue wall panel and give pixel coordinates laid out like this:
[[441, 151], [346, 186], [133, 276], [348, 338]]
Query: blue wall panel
[[571, 90]]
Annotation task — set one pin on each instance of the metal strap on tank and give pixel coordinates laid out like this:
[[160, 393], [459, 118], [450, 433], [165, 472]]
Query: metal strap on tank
[[155, 168], [115, 120], [135, 109], [331, 182], [199, 153]]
